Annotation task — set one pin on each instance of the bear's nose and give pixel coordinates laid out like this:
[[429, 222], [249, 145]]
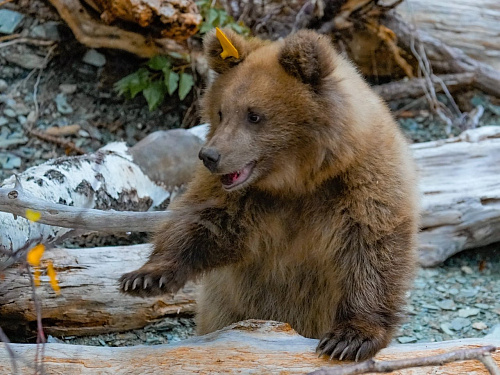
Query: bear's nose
[[210, 157]]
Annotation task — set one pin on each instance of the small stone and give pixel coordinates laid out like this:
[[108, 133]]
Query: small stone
[[446, 304], [3, 85], [3, 121], [479, 326], [459, 323], [83, 133], [407, 339], [461, 280], [68, 88], [494, 332], [94, 58], [9, 112], [22, 119], [20, 109], [48, 30], [10, 161], [467, 270], [62, 105], [430, 307], [482, 306], [26, 60], [9, 20], [469, 292], [445, 327], [453, 291], [464, 313], [497, 311]]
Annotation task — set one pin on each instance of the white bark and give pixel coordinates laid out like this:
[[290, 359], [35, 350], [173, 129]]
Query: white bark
[[249, 347], [471, 25], [112, 178], [460, 183]]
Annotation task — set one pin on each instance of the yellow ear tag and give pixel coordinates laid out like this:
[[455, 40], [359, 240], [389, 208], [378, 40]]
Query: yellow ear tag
[[228, 50]]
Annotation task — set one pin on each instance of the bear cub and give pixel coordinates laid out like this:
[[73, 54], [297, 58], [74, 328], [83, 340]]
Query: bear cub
[[305, 210]]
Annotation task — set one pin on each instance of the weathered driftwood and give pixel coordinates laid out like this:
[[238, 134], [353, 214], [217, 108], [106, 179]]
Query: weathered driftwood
[[471, 25], [442, 57], [413, 88], [460, 183], [251, 346], [96, 34], [69, 188], [90, 302]]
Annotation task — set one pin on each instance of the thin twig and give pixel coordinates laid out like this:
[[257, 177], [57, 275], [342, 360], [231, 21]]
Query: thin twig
[[12, 355], [40, 337], [5, 2], [33, 42], [371, 365]]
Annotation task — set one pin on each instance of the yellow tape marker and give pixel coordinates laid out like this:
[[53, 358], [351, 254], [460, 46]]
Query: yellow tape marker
[[228, 50]]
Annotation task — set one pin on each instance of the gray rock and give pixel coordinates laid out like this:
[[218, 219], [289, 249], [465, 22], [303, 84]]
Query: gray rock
[[68, 88], [13, 141], [479, 326], [62, 105], [10, 161], [3, 120], [445, 327], [407, 339], [447, 304], [48, 30], [94, 58], [3, 85], [494, 332], [9, 20], [464, 313], [458, 324], [453, 291], [9, 112], [482, 306], [22, 119], [467, 270], [430, 307], [26, 60]]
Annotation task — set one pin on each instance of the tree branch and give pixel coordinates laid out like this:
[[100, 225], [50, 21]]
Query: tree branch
[[16, 201], [482, 354]]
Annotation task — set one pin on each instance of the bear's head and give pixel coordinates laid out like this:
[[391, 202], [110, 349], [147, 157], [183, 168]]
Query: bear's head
[[277, 120]]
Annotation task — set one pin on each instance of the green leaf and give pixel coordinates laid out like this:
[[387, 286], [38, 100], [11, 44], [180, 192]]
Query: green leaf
[[172, 82], [159, 62], [139, 82], [205, 27], [223, 18], [154, 94], [212, 16], [186, 83]]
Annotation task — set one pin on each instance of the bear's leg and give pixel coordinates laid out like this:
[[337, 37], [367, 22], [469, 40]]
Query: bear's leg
[[374, 276], [190, 242]]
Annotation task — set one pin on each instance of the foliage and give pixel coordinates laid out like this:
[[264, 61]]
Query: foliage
[[166, 74], [160, 76], [217, 17]]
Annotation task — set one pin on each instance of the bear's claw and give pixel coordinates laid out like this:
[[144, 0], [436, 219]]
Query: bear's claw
[[346, 343], [146, 283]]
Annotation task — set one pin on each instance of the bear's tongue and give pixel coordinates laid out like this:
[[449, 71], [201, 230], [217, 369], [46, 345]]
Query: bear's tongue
[[235, 178]]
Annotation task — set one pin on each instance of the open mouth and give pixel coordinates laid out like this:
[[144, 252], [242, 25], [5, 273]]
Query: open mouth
[[236, 178]]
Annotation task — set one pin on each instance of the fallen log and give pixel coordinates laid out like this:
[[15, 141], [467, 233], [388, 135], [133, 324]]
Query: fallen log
[[251, 346], [90, 302], [114, 178], [471, 25]]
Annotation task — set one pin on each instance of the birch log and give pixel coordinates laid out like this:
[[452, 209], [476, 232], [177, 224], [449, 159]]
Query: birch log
[[471, 25], [90, 302], [135, 179], [249, 347]]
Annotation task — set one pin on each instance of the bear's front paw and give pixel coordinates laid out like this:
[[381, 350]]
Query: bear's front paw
[[346, 342], [149, 281]]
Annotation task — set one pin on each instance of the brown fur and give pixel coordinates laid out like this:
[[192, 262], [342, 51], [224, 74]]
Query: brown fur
[[322, 234]]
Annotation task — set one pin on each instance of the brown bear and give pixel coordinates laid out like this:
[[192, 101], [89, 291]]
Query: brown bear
[[306, 211]]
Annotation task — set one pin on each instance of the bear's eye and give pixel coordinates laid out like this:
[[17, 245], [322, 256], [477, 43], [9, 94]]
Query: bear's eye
[[253, 117], [220, 116]]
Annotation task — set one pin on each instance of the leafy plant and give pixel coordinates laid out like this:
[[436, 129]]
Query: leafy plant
[[165, 74], [218, 17], [160, 76]]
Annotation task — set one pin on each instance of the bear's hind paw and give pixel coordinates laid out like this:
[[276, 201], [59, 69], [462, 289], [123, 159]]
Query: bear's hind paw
[[145, 284]]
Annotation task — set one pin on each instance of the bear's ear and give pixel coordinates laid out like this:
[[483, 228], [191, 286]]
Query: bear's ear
[[225, 49], [308, 56]]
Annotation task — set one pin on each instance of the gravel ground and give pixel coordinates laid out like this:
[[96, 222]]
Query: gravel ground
[[459, 299]]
